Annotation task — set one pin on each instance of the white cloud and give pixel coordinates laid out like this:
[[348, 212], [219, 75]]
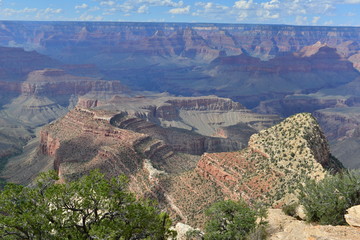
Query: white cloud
[[168, 3], [184, 10], [82, 6], [242, 16], [243, 4], [143, 9], [87, 17], [93, 9], [352, 1], [11, 12], [211, 10], [266, 14], [107, 3], [137, 6], [301, 20], [273, 4], [51, 10], [329, 22], [351, 14], [30, 13], [47, 13], [315, 20]]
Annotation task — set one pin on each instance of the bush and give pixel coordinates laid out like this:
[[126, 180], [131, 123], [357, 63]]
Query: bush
[[90, 208], [229, 220], [326, 201], [259, 233], [290, 209], [194, 235]]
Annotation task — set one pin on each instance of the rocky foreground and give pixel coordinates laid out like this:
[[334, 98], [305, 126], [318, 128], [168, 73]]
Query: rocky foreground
[[283, 227]]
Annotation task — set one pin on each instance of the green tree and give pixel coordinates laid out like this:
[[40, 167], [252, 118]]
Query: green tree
[[326, 201], [229, 220], [89, 208]]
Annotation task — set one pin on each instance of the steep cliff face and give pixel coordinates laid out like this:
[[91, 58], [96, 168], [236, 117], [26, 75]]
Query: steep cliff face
[[83, 140], [56, 83], [287, 74], [16, 63], [299, 103], [47, 94], [12, 137], [339, 123], [44, 96], [342, 127]]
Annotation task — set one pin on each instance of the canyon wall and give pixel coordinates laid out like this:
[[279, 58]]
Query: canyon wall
[[182, 39]]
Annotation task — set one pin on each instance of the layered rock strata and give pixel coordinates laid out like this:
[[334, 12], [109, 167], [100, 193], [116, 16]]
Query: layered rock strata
[[161, 164], [276, 160]]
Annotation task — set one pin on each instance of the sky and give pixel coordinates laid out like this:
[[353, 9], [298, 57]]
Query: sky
[[292, 12]]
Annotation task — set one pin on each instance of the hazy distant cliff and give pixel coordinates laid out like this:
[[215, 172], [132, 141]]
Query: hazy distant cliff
[[170, 38]]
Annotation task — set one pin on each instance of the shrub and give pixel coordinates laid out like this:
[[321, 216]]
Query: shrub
[[90, 208], [194, 235], [290, 209], [259, 233], [229, 220], [326, 201]]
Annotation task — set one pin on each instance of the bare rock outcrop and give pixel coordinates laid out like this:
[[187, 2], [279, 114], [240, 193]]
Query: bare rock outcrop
[[353, 216], [283, 227]]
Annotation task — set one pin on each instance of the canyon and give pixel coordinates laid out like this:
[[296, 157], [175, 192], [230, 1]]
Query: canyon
[[178, 167], [185, 110], [276, 69]]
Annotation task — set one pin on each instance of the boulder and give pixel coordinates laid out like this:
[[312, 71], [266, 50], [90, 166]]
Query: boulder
[[183, 231], [353, 216]]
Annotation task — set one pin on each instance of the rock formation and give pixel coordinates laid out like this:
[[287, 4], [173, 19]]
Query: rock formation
[[16, 63], [283, 227], [276, 160], [44, 96], [164, 163], [173, 148], [173, 38], [353, 216], [273, 69], [342, 127], [161, 129]]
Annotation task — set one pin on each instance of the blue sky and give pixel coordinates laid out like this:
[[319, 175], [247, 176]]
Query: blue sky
[[296, 12]]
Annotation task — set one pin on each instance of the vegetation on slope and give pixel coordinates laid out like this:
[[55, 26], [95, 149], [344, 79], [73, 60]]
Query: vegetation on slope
[[327, 200], [234, 220], [90, 208]]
